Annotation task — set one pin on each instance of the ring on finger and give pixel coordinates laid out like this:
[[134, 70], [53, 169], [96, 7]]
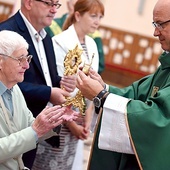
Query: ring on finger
[[51, 121]]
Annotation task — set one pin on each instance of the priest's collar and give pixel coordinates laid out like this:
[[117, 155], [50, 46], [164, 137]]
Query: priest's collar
[[165, 60]]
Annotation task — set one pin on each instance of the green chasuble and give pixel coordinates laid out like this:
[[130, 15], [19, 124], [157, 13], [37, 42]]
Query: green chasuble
[[56, 28], [148, 115]]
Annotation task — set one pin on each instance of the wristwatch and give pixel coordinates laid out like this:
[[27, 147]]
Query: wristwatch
[[98, 100]]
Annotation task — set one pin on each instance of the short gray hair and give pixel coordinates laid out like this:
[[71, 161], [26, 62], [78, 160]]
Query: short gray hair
[[11, 41]]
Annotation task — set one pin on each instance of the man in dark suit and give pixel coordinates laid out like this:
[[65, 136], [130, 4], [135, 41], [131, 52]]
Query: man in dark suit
[[41, 81]]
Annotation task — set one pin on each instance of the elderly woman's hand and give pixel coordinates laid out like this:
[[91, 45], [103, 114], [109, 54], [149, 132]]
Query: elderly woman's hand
[[49, 118]]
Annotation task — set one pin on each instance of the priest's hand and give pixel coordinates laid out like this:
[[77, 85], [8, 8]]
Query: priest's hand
[[88, 86], [94, 75]]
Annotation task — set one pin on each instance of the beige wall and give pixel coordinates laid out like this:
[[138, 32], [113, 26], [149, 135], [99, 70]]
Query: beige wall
[[125, 15], [122, 14]]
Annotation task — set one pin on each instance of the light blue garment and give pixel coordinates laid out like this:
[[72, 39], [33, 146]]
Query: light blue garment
[[7, 97]]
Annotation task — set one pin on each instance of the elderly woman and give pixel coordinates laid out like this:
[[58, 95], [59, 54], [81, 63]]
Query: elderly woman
[[19, 130]]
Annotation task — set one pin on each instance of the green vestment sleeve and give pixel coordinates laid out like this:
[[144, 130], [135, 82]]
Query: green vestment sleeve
[[148, 115]]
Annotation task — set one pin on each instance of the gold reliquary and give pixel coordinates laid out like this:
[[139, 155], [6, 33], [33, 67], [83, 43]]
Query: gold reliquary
[[71, 63]]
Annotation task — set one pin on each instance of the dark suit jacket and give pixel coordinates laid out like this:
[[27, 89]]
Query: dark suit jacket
[[34, 88]]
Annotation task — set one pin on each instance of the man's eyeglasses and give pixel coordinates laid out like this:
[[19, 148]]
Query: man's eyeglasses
[[50, 4], [159, 25], [20, 59]]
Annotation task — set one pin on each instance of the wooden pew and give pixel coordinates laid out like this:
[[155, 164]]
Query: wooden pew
[[128, 56], [5, 10]]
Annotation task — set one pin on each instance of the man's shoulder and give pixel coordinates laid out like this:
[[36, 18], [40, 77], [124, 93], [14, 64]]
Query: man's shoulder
[[9, 24]]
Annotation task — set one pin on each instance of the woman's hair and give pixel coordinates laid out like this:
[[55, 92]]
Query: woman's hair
[[11, 41], [83, 6]]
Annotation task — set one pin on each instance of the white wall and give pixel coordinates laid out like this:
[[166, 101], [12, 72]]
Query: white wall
[[122, 14]]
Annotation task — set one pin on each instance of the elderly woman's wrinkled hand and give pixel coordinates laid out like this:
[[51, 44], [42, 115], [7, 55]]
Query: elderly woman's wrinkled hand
[[49, 118]]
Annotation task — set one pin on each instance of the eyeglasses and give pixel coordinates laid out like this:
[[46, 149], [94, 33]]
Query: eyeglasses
[[20, 59], [50, 4], [159, 25]]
